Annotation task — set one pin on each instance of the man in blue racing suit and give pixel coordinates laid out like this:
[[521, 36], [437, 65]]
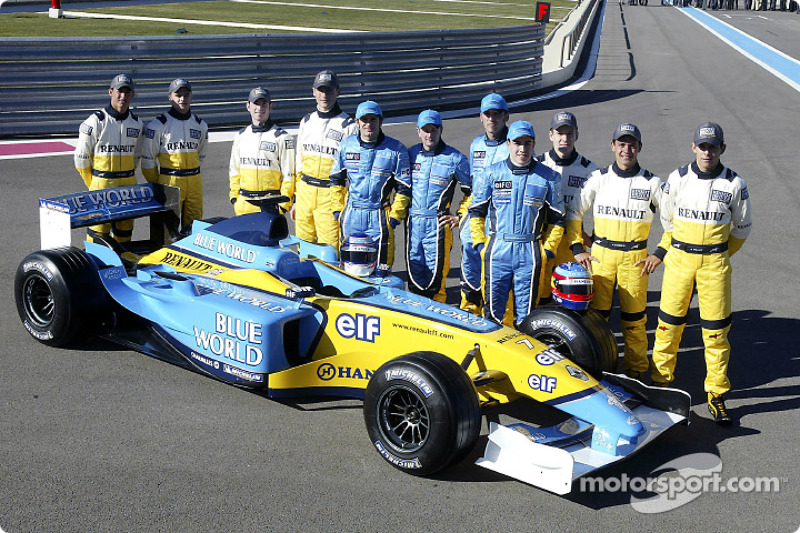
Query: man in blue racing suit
[[436, 170], [523, 201], [371, 183], [485, 150]]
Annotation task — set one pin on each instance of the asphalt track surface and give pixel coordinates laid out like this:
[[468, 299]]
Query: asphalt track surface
[[97, 438]]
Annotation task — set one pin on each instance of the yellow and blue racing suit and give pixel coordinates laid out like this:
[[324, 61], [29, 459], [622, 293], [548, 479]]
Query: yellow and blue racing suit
[[483, 153], [526, 211], [371, 190], [434, 177]]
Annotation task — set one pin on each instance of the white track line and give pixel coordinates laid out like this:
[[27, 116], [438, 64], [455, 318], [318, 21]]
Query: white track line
[[381, 10], [79, 14]]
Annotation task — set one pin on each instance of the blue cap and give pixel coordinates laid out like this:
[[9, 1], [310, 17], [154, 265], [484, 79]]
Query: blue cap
[[493, 101], [429, 116], [368, 108], [520, 128]]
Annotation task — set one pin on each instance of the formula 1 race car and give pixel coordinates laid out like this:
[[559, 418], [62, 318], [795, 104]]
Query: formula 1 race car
[[240, 300]]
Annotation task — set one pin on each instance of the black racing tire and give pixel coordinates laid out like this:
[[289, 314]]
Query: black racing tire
[[602, 332], [421, 412], [59, 295], [584, 338]]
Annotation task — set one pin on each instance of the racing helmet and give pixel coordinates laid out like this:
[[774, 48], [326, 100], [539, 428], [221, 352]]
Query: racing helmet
[[358, 255], [572, 286]]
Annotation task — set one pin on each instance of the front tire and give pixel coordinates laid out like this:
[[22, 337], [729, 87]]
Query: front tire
[[59, 295], [421, 412], [585, 338]]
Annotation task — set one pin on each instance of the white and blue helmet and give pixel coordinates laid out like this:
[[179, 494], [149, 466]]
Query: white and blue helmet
[[358, 255]]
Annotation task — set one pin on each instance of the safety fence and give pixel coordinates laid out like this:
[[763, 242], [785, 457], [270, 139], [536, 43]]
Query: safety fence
[[50, 85], [574, 25]]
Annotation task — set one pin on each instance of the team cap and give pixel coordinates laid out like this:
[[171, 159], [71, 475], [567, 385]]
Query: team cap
[[429, 116], [326, 78], [121, 80], [257, 94], [627, 129], [520, 128], [368, 108], [709, 132], [493, 101], [564, 118], [179, 83]]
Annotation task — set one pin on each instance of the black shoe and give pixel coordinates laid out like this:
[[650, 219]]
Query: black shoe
[[633, 374], [716, 406]]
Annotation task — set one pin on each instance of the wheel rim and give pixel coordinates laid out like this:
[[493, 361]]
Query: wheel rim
[[556, 343], [404, 419], [39, 302]]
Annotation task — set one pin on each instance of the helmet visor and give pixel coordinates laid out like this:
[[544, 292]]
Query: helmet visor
[[576, 287], [362, 255]]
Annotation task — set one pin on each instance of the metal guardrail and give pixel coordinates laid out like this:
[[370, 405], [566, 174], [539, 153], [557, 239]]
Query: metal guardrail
[[572, 37], [50, 85]]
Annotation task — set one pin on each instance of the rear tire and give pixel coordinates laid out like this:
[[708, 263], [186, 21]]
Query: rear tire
[[59, 295], [585, 338], [421, 412]]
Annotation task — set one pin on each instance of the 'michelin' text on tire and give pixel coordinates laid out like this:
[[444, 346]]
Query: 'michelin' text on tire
[[421, 412]]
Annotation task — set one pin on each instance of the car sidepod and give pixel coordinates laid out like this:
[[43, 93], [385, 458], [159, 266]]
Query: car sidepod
[[234, 332]]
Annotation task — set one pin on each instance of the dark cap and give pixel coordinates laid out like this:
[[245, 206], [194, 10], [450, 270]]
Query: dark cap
[[121, 80], [709, 132], [326, 78], [627, 129], [257, 94], [179, 83], [564, 118]]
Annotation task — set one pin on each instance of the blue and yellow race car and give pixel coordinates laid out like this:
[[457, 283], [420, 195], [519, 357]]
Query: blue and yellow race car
[[242, 301]]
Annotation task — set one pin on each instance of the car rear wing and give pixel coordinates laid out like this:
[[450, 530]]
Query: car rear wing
[[60, 214]]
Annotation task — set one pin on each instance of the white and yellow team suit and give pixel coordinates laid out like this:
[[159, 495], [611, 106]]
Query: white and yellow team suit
[[623, 204], [706, 218], [574, 171], [106, 155], [174, 148], [318, 141], [262, 163]]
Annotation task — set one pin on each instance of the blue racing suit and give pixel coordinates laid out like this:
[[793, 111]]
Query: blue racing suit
[[526, 212], [363, 177], [483, 153], [434, 176]]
